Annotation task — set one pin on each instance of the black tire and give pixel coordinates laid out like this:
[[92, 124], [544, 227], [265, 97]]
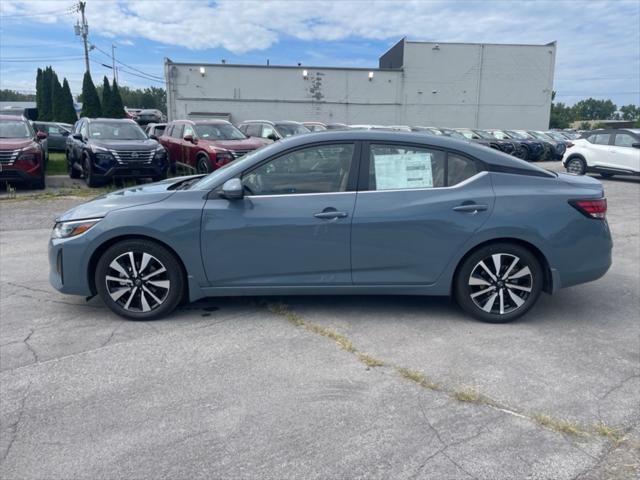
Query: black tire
[[482, 290], [39, 184], [89, 177], [523, 153], [71, 170], [576, 165], [203, 165], [137, 286]]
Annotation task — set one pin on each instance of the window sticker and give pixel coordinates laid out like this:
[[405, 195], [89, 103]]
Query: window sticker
[[399, 171]]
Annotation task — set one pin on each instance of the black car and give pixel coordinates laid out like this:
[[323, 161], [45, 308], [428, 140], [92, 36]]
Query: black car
[[485, 138], [530, 149], [558, 147], [101, 149]]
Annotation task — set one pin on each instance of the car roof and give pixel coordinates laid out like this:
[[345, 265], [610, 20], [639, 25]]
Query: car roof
[[109, 120], [258, 121], [287, 122], [213, 121]]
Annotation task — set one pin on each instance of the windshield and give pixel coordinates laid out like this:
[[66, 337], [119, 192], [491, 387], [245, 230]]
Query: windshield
[[219, 131], [115, 131], [289, 129], [467, 134], [540, 135], [518, 135], [556, 136], [453, 133], [500, 135], [14, 129], [485, 135]]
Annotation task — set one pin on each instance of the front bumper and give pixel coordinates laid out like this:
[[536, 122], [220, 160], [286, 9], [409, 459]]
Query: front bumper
[[68, 265], [18, 172]]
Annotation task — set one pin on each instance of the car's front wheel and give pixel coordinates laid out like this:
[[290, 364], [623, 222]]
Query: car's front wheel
[[139, 279], [576, 165], [499, 282]]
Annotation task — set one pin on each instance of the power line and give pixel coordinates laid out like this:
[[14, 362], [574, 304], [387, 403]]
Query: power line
[[121, 70], [41, 60], [157, 77], [67, 11]]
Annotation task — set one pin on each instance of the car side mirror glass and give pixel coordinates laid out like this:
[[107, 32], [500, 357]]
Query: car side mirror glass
[[189, 138], [77, 136], [272, 136], [233, 189], [64, 133], [636, 145], [41, 135]]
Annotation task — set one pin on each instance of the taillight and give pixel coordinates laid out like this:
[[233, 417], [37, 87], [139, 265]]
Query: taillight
[[591, 208]]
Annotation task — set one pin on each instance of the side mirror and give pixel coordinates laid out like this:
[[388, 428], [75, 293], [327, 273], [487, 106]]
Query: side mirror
[[154, 137], [64, 133], [189, 138], [636, 145], [233, 189], [273, 136], [77, 136], [41, 135]]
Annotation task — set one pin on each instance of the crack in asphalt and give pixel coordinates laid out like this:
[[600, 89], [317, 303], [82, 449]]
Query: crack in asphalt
[[15, 426]]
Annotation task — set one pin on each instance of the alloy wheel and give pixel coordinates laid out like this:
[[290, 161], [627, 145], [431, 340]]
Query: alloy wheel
[[500, 283], [137, 281], [575, 166]]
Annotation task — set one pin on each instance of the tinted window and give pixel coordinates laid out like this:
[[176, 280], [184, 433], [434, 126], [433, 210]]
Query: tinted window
[[624, 140], [177, 130], [253, 130], [459, 169], [600, 138], [319, 169], [393, 167]]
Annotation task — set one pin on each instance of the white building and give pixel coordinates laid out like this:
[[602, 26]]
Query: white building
[[417, 83]]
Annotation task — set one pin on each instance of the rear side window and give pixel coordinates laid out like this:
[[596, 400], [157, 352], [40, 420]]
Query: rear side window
[[394, 167], [624, 140], [599, 138], [459, 169]]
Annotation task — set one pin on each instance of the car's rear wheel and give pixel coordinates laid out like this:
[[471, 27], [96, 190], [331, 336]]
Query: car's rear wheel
[[139, 279], [576, 165], [499, 282]]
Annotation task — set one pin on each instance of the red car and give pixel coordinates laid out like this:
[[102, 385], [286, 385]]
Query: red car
[[206, 145], [22, 156]]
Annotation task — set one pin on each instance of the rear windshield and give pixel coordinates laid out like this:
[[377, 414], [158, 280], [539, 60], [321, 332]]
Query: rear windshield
[[219, 131], [14, 129], [115, 131]]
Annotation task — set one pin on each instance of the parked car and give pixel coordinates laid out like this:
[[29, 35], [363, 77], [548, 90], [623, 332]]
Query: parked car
[[607, 152], [558, 147], [57, 134], [284, 220], [336, 126], [22, 156], [272, 130], [315, 126], [155, 130], [529, 149], [148, 115], [487, 139], [206, 145], [101, 149], [427, 130], [547, 145]]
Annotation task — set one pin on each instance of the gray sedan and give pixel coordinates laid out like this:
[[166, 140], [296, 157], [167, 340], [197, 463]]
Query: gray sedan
[[345, 212]]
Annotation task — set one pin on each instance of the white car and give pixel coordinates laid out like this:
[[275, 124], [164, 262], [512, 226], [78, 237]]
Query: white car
[[607, 152]]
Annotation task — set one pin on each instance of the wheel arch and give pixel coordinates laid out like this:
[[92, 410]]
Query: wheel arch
[[547, 285], [99, 251]]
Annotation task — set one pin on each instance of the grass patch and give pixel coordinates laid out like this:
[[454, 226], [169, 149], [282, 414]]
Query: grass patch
[[558, 424], [604, 430], [417, 377], [470, 395], [370, 361], [57, 164]]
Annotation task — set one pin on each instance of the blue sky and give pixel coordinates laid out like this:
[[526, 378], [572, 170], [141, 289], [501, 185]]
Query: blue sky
[[598, 41]]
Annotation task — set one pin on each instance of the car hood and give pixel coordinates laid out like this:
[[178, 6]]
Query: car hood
[[15, 143], [127, 197], [251, 143], [142, 145]]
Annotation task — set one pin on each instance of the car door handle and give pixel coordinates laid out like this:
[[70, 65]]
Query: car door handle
[[470, 208], [330, 214]]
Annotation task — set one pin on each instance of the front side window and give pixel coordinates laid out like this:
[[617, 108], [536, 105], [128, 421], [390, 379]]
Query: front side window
[[188, 130], [253, 130], [84, 130], [177, 130], [267, 130], [318, 169], [624, 140], [290, 129]]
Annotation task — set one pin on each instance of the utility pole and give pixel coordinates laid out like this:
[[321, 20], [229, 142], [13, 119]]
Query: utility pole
[[82, 29], [113, 62]]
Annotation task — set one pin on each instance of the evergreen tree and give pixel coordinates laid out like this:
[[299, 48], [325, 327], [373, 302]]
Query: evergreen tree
[[107, 107], [68, 110], [45, 113], [90, 100], [117, 108], [39, 93], [56, 98]]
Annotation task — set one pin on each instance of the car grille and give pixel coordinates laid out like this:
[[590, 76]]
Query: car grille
[[133, 156], [238, 153], [7, 157]]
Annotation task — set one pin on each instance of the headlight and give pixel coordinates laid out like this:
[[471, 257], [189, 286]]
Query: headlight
[[160, 151], [73, 228], [96, 149]]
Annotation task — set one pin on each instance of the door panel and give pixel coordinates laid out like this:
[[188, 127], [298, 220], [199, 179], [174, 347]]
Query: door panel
[[278, 240], [626, 157]]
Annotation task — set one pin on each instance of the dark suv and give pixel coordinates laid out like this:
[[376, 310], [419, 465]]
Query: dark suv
[[22, 157], [101, 149]]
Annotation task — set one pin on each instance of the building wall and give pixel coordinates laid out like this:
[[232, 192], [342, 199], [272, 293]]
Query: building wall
[[457, 85]]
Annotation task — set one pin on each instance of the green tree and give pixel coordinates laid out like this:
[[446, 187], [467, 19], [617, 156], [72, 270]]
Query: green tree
[[561, 116], [630, 112], [56, 98], [592, 109], [585, 126], [68, 110], [90, 101], [117, 108], [39, 79], [106, 98], [45, 109], [7, 95]]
